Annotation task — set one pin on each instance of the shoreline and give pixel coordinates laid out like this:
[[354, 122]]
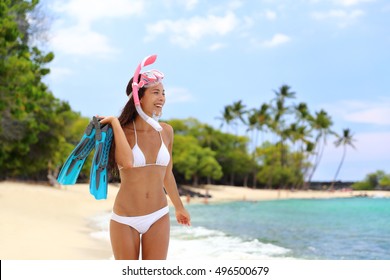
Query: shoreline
[[40, 222], [220, 193]]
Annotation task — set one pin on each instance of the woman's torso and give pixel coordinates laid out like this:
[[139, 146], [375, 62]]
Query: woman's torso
[[142, 188]]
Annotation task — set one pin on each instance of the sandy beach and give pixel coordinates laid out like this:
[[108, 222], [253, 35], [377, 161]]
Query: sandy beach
[[39, 222], [228, 193]]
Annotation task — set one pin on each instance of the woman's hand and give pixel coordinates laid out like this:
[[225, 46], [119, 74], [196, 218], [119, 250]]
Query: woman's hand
[[183, 217], [104, 120]]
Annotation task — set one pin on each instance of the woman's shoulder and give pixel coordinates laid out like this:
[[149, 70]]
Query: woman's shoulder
[[167, 128]]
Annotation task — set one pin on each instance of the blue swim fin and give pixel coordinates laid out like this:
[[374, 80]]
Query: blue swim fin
[[75, 161], [99, 179]]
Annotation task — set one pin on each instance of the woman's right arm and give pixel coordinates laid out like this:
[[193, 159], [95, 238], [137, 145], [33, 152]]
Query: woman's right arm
[[123, 152]]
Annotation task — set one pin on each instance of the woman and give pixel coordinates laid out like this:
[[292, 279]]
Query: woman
[[140, 218]]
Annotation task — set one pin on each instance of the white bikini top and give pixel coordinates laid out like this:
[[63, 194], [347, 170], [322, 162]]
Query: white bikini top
[[163, 156]]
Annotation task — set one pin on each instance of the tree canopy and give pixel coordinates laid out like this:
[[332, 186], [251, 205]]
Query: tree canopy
[[30, 115]]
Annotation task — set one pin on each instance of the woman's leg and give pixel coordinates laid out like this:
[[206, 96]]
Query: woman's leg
[[125, 241], [155, 241]]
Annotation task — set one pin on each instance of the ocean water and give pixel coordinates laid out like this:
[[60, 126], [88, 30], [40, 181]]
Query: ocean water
[[328, 229]]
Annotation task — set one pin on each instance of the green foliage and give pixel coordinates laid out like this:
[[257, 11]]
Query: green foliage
[[272, 174], [32, 120], [362, 185], [194, 161], [223, 154], [376, 180], [384, 182]]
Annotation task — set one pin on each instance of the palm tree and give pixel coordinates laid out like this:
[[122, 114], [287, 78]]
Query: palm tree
[[284, 92], [278, 121], [207, 136], [257, 120], [345, 140], [230, 114], [238, 111], [302, 135], [302, 112], [321, 123], [227, 117], [252, 127], [298, 135], [277, 124]]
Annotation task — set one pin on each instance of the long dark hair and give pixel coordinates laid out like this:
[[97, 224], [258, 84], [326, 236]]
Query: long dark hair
[[127, 116]]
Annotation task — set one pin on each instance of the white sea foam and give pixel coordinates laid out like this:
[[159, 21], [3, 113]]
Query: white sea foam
[[203, 243], [100, 226]]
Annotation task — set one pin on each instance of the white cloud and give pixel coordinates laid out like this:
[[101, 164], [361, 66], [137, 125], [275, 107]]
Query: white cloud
[[80, 38], [364, 112], [270, 15], [338, 14], [246, 23], [190, 4], [222, 6], [235, 4], [216, 46], [187, 32], [373, 145], [87, 11], [178, 95], [370, 146], [343, 17], [276, 40], [368, 112], [348, 3], [371, 115], [372, 153]]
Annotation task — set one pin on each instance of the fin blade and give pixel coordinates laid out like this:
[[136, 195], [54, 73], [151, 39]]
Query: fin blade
[[75, 161], [99, 180]]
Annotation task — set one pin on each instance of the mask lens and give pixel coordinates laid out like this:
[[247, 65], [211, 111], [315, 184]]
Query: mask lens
[[151, 78]]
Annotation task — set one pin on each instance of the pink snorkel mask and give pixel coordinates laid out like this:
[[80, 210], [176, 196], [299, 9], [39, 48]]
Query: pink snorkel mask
[[148, 79]]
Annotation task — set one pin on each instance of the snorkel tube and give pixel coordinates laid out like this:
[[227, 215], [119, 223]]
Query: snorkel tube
[[135, 86]]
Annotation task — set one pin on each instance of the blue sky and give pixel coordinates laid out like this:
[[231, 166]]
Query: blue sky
[[333, 53]]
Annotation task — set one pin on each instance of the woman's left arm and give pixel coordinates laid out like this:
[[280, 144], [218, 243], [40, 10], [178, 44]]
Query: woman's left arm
[[182, 215]]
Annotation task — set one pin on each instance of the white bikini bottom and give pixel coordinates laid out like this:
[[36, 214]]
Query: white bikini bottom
[[141, 223]]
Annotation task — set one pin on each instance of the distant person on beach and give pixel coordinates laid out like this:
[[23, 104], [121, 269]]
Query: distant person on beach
[[206, 197], [140, 224]]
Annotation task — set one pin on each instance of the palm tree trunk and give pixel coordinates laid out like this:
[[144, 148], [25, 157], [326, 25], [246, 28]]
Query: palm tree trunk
[[338, 169], [318, 158], [256, 140], [232, 179], [254, 183], [246, 180], [195, 181]]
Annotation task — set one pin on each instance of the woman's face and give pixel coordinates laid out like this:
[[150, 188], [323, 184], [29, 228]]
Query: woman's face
[[153, 100]]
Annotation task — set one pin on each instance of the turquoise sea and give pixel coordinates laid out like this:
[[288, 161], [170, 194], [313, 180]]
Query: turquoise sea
[[322, 229], [328, 229]]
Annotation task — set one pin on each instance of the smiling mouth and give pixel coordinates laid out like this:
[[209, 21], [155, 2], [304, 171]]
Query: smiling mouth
[[158, 106]]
